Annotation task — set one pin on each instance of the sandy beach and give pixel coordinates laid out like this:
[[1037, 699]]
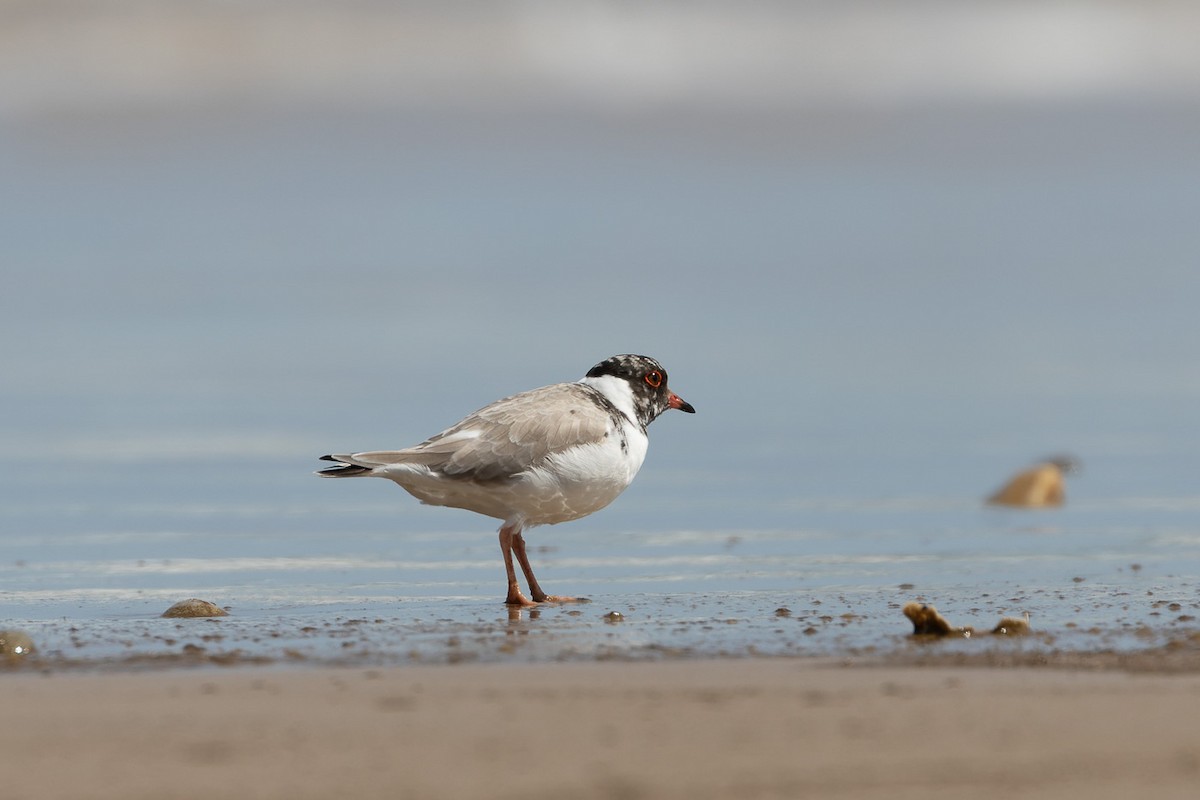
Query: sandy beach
[[713, 728]]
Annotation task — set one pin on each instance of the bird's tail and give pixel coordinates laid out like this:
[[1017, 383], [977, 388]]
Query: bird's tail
[[344, 469]]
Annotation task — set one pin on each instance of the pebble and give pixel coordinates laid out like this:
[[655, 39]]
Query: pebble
[[195, 608], [15, 645]]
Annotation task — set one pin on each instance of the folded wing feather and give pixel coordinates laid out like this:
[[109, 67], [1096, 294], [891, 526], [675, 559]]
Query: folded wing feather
[[504, 438]]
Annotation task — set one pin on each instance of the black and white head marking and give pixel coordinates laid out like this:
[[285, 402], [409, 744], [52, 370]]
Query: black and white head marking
[[647, 381]]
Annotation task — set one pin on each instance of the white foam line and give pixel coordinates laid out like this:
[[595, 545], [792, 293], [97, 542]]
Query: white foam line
[[181, 566]]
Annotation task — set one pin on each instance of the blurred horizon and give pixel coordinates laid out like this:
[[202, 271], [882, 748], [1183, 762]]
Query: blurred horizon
[[60, 55]]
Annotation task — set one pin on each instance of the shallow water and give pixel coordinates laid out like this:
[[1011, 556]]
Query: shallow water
[[1116, 576]]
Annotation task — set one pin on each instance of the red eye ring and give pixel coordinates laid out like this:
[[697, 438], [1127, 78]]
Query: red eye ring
[[655, 379]]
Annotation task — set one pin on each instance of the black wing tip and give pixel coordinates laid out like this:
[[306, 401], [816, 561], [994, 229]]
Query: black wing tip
[[343, 471]]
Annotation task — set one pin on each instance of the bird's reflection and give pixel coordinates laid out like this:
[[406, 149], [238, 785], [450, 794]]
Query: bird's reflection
[[519, 614]]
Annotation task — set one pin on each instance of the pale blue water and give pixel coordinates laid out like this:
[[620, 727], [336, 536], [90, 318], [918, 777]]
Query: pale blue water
[[879, 313], [327, 583]]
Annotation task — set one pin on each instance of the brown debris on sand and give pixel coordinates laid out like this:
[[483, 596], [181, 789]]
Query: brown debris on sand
[[928, 622], [193, 607], [1012, 626], [15, 645], [1040, 486]]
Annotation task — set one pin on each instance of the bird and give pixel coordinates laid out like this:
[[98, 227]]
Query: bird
[[540, 457]]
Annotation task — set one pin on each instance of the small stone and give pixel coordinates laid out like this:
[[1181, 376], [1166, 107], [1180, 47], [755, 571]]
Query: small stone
[[15, 645], [195, 608], [614, 616], [1012, 626]]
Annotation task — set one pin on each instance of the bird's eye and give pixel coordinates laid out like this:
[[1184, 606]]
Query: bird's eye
[[654, 378]]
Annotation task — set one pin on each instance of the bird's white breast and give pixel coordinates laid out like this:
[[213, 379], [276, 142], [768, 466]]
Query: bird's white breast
[[584, 479]]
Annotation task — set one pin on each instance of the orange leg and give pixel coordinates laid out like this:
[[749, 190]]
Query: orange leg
[[535, 591], [511, 541], [508, 537]]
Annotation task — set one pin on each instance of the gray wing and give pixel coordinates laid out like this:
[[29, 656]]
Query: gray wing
[[506, 437]]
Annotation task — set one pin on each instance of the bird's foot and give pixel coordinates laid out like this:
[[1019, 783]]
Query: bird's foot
[[515, 598], [557, 598]]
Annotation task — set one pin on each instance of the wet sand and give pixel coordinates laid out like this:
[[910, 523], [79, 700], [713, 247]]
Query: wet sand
[[781, 727]]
